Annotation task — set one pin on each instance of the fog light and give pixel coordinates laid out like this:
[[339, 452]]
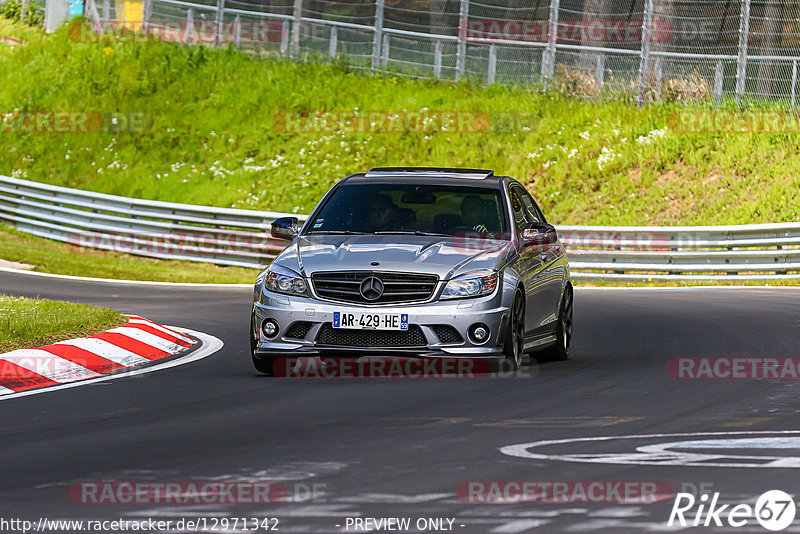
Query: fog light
[[270, 328], [479, 333]]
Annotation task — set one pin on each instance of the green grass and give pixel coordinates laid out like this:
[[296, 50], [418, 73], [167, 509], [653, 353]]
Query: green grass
[[21, 321], [61, 258], [214, 140]]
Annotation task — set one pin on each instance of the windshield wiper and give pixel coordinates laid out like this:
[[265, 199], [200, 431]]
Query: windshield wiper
[[411, 232]]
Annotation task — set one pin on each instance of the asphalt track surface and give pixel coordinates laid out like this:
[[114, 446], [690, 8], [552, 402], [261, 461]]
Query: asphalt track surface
[[400, 448]]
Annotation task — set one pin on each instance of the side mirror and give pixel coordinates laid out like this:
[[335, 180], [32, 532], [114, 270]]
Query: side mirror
[[284, 228], [540, 235]]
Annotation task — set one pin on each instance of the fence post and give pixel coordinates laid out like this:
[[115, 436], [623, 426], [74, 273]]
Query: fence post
[[741, 63], [549, 53], [461, 52], [647, 37], [189, 34], [218, 21], [659, 68], [437, 59], [492, 64], [600, 72], [718, 79], [286, 29], [237, 30], [294, 49], [794, 81], [147, 9], [378, 35], [333, 43], [385, 49], [106, 11]]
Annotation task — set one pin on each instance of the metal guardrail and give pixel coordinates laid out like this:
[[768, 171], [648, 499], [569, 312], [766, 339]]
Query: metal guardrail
[[241, 237], [143, 227]]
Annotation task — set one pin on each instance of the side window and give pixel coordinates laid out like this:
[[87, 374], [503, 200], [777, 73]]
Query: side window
[[529, 210], [517, 209]]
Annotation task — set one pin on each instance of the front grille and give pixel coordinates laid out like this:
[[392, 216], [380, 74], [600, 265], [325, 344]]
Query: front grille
[[397, 287], [298, 330], [411, 338], [447, 334]]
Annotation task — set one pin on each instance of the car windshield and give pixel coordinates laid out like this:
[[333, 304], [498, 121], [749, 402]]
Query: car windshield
[[412, 209]]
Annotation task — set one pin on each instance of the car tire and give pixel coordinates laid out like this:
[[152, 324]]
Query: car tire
[[559, 351], [263, 364], [515, 332]]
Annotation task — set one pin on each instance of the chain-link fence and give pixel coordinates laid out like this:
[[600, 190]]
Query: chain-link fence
[[743, 51]]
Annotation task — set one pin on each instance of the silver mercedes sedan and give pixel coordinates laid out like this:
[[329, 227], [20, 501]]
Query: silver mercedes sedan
[[428, 262]]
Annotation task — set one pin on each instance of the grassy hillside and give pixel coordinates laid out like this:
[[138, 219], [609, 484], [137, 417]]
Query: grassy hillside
[[214, 137]]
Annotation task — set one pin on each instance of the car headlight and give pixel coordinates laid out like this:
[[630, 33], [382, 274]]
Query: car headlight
[[282, 280], [473, 284]]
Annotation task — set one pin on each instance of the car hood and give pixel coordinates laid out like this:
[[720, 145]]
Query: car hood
[[442, 256]]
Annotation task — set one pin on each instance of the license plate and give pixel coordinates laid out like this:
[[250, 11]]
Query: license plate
[[370, 321]]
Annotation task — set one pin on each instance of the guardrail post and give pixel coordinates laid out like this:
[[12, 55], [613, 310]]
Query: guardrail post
[[549, 53], [647, 37], [437, 59], [296, 27], [794, 81], [492, 64], [218, 21], [741, 63], [334, 41], [189, 33], [600, 71], [286, 29], [377, 37], [718, 79], [461, 52]]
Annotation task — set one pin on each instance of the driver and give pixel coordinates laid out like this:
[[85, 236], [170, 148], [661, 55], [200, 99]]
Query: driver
[[475, 213], [382, 212]]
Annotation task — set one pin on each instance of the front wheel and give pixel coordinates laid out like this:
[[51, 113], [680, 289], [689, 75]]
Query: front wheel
[[515, 332]]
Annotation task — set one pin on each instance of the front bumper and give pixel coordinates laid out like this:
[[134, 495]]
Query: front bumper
[[459, 314]]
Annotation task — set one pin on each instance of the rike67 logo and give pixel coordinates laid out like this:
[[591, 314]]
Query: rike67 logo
[[774, 510]]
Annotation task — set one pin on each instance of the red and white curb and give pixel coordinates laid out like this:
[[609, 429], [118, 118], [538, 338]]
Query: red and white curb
[[114, 351]]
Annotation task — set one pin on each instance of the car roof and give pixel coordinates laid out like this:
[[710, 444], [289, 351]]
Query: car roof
[[434, 175]]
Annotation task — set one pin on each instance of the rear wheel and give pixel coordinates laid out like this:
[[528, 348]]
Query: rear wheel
[[515, 332], [560, 349]]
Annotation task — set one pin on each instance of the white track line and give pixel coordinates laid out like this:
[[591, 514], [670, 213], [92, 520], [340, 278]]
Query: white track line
[[210, 345], [128, 282]]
